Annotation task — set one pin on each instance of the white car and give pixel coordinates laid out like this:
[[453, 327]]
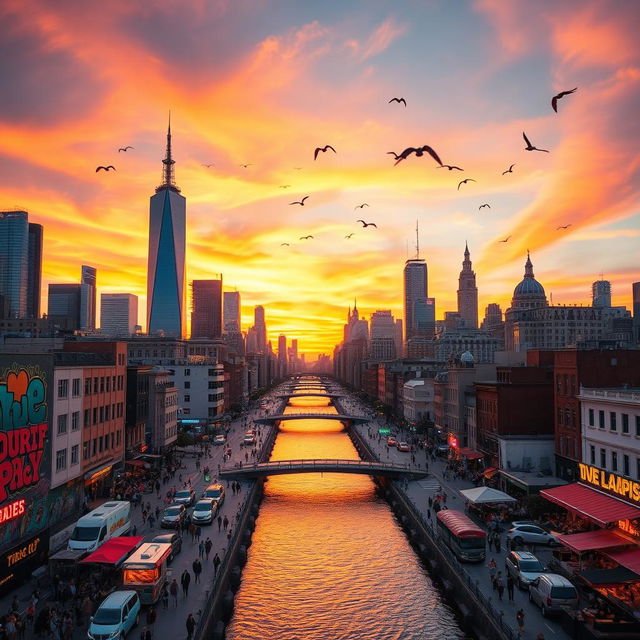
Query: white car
[[531, 534], [220, 439]]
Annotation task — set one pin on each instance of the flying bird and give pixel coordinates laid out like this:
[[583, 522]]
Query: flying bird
[[125, 148], [323, 149], [367, 224], [465, 182], [419, 152], [450, 167], [562, 94], [306, 237], [394, 154], [506, 239], [529, 146], [484, 205], [105, 168], [244, 166], [207, 165], [285, 244], [509, 170], [297, 168], [398, 100], [348, 236], [300, 202], [564, 226], [364, 204], [284, 186]]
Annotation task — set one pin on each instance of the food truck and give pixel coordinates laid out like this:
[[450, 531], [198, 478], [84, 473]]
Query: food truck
[[146, 571]]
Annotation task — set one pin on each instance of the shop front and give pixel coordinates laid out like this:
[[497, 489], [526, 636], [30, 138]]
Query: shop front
[[19, 562], [98, 481]]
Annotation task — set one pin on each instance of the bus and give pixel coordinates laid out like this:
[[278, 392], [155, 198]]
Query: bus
[[466, 539], [145, 571]]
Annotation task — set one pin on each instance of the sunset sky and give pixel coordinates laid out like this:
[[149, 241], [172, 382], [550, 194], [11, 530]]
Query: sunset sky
[[251, 81]]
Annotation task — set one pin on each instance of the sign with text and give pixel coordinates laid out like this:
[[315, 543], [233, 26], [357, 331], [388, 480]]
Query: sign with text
[[19, 562], [617, 485], [25, 445]]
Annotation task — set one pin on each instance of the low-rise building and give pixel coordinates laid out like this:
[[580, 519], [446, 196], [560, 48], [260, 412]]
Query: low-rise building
[[417, 400]]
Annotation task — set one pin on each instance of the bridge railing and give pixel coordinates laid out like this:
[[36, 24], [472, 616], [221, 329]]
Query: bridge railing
[[284, 464]]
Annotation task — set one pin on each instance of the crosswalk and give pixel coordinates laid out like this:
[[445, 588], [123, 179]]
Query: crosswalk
[[429, 484]]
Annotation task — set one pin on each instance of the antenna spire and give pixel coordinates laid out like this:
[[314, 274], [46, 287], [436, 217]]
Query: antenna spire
[[168, 177], [417, 243]]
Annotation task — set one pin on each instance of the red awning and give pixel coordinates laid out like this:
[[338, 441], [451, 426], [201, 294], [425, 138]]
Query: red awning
[[591, 540], [114, 551], [591, 504], [137, 463], [490, 472], [471, 454], [629, 558]]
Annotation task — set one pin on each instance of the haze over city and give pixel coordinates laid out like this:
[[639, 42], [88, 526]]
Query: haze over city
[[263, 85]]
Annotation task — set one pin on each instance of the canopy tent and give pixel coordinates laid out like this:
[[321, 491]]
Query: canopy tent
[[471, 454], [490, 472], [592, 540], [609, 576], [593, 505], [481, 495], [629, 558], [114, 551]]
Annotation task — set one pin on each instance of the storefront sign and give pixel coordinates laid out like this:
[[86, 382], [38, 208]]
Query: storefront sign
[[22, 560], [12, 510], [630, 527], [617, 485]]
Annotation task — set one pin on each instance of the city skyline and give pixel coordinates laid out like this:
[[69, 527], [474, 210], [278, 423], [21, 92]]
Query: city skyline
[[238, 217]]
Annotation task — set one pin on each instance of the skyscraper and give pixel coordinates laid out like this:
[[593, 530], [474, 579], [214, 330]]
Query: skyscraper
[[64, 306], [383, 334], [14, 263], [34, 272], [231, 311], [415, 297], [167, 246], [282, 353], [118, 314], [468, 293], [88, 298], [601, 294], [260, 327], [206, 316]]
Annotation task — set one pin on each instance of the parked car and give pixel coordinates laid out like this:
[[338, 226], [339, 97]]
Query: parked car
[[118, 613], [204, 511], [220, 439], [249, 439], [553, 593], [442, 450], [215, 491], [174, 540], [524, 567], [185, 496], [403, 446], [391, 441], [531, 534], [173, 516]]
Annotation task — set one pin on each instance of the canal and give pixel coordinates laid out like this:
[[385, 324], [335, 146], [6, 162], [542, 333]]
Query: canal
[[328, 560]]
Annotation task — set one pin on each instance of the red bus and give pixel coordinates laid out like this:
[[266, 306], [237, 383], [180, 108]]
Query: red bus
[[465, 538]]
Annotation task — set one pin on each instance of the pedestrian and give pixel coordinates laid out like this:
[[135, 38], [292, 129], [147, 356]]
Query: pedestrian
[[201, 549], [198, 532], [191, 626], [165, 597], [192, 531], [225, 523], [207, 547], [510, 587], [500, 584], [151, 616], [216, 564], [493, 567], [520, 621], [496, 542], [490, 541], [185, 580], [145, 634], [134, 530], [197, 569], [173, 589]]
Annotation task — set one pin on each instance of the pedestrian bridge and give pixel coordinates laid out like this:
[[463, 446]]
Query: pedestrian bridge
[[282, 467], [311, 416], [314, 394]]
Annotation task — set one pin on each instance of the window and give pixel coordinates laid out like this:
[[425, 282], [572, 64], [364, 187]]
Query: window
[[559, 414], [612, 421], [62, 423], [101, 384], [625, 465], [592, 454], [614, 461], [87, 418], [86, 449], [74, 454], [107, 413], [212, 372], [95, 415], [212, 397], [61, 460], [187, 398], [75, 387], [102, 414], [591, 418], [603, 459], [112, 438], [75, 421], [625, 422], [187, 385], [108, 384], [63, 388], [601, 419], [95, 446], [212, 384], [100, 443], [187, 372], [95, 385], [87, 386], [638, 425]]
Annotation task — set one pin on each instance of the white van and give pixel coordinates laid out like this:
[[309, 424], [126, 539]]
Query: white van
[[107, 521]]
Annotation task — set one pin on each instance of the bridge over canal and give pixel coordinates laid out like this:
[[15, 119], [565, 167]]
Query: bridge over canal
[[311, 416]]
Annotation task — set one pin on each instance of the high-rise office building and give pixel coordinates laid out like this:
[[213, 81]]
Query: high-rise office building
[[260, 327], [415, 298], [34, 271], [492, 316], [206, 315], [383, 332], [231, 311], [14, 263], [468, 293], [635, 289], [64, 306], [601, 294], [118, 314], [88, 298], [282, 353], [167, 247]]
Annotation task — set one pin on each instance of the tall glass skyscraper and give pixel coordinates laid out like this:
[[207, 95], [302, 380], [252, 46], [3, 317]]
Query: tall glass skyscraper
[[34, 276], [167, 248], [416, 310], [14, 263]]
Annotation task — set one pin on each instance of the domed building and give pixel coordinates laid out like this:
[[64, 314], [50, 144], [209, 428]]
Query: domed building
[[529, 293]]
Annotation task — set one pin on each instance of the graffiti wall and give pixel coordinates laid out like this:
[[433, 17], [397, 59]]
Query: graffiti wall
[[25, 446]]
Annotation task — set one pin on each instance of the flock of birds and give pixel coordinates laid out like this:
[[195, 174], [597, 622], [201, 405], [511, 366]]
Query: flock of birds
[[398, 157]]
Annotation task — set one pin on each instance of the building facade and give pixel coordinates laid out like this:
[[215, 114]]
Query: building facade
[[14, 263], [88, 277], [206, 316], [468, 293], [118, 314], [417, 316], [231, 311], [34, 271]]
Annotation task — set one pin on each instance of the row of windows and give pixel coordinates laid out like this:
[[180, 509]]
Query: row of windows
[[567, 417], [100, 444], [61, 457], [565, 384], [212, 397], [103, 384], [613, 421], [614, 461], [104, 413], [63, 388], [63, 422]]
